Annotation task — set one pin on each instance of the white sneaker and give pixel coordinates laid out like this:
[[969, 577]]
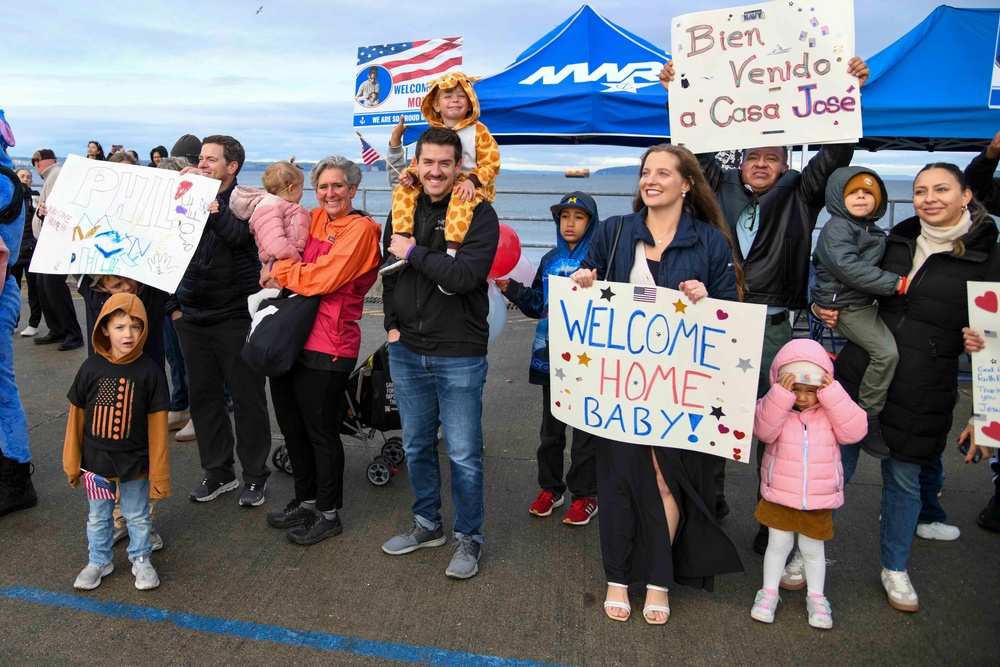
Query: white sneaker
[[938, 531], [29, 331], [820, 615], [178, 419], [90, 577], [187, 433], [899, 590], [793, 578], [145, 575]]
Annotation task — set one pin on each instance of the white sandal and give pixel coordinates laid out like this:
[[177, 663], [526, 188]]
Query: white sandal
[[655, 607], [615, 604]]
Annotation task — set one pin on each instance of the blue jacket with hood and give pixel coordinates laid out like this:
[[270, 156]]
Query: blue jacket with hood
[[560, 261]]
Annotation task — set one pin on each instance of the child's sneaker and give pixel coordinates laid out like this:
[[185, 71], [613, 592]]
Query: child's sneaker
[[899, 590], [392, 264], [145, 576], [581, 511], [90, 576], [545, 502], [873, 444], [819, 611], [764, 605], [793, 577]]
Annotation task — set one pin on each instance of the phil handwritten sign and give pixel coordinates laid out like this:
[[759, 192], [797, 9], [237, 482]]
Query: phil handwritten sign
[[984, 304], [115, 218], [643, 365], [773, 73]]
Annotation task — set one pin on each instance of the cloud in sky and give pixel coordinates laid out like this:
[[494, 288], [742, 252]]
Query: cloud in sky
[[281, 81]]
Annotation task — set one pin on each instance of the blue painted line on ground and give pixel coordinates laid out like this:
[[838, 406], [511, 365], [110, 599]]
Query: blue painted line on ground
[[420, 655]]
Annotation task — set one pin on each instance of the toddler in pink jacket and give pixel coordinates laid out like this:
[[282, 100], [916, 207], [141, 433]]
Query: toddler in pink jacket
[[279, 225], [804, 418]]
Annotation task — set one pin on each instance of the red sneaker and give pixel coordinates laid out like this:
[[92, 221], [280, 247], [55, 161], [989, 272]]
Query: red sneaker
[[544, 502], [581, 511]]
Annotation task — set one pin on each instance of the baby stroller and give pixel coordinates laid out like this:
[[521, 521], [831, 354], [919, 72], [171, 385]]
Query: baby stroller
[[368, 408]]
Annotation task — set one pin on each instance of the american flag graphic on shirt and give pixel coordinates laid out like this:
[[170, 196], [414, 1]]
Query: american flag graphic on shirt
[[112, 416], [644, 294]]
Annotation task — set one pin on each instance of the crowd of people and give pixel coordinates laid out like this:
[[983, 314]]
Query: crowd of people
[[741, 235]]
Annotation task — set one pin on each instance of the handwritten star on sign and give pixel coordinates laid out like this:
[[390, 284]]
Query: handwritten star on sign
[[606, 293], [718, 413], [744, 365], [559, 374], [679, 306], [584, 359]]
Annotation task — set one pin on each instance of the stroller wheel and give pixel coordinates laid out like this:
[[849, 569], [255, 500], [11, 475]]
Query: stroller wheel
[[280, 459], [379, 472], [393, 450]]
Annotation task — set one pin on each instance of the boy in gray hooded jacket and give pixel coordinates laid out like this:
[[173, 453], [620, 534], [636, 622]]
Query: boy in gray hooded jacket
[[848, 279]]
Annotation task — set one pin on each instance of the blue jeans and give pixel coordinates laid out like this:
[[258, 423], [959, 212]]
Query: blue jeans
[[901, 505], [13, 423], [134, 497], [449, 390], [175, 358], [931, 481]]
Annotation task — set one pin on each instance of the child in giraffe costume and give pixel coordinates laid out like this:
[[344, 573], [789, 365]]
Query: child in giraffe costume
[[450, 102]]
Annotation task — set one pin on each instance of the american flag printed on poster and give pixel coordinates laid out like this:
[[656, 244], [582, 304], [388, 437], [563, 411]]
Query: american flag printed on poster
[[414, 60], [98, 488], [644, 294], [368, 154], [112, 412]]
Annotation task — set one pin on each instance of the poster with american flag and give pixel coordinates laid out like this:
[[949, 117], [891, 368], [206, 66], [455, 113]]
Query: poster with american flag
[[392, 78]]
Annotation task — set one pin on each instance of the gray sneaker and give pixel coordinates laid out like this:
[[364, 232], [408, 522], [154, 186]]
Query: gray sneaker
[[120, 534], [90, 576], [154, 537], [417, 537], [145, 576], [464, 558]]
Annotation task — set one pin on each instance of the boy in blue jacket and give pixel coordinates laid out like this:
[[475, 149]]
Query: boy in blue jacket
[[576, 219]]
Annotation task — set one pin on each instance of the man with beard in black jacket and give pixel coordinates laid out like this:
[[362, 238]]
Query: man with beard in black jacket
[[210, 314], [436, 311]]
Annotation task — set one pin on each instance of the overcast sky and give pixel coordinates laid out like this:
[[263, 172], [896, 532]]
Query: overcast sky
[[281, 80]]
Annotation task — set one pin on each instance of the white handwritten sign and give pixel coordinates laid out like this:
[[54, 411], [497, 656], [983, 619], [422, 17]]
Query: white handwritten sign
[[769, 74], [643, 365], [984, 318], [114, 218]]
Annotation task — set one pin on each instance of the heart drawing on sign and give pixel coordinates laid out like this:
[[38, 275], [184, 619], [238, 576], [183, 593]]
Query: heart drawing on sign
[[988, 301], [992, 431], [723, 429], [739, 435], [566, 356], [558, 404], [721, 314]]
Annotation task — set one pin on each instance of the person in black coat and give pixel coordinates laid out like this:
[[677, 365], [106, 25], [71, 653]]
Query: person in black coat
[[985, 186], [951, 241], [20, 268]]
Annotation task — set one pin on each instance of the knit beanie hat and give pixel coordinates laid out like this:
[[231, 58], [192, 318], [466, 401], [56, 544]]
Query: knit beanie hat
[[805, 372], [188, 146], [866, 182]]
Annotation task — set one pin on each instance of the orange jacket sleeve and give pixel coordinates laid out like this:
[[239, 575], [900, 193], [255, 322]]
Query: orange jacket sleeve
[[73, 445], [159, 457], [355, 252]]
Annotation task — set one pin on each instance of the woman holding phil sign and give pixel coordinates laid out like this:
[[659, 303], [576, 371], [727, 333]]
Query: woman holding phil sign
[[951, 241], [658, 525]]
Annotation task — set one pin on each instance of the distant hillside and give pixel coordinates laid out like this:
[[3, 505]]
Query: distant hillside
[[616, 171]]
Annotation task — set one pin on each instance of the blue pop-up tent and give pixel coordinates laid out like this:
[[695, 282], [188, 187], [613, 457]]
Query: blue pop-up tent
[[588, 81], [930, 89]]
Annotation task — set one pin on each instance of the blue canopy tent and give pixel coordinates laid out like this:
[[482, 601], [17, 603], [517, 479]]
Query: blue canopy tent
[[588, 81], [929, 90]]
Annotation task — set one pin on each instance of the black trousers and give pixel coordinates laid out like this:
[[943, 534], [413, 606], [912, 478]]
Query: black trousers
[[211, 358], [582, 476], [57, 306], [34, 305], [305, 403]]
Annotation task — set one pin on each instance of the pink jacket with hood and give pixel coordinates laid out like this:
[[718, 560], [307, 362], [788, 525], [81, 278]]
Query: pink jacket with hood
[[801, 467], [279, 227]]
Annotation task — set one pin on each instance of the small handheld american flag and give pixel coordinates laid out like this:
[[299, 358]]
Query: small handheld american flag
[[98, 488], [368, 154]]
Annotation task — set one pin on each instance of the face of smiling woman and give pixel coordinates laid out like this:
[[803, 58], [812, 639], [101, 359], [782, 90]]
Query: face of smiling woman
[[938, 198], [334, 194], [660, 181]]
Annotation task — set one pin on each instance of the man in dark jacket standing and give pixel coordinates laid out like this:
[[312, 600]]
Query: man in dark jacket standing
[[436, 317], [212, 321], [772, 211], [979, 173]]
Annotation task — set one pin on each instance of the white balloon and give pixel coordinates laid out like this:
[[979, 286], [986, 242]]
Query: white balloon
[[522, 272], [497, 317]]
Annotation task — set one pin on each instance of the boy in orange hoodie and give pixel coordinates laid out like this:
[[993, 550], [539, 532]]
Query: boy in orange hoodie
[[450, 102], [116, 435]]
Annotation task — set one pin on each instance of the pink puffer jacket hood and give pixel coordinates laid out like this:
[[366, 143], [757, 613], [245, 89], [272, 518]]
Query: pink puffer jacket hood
[[244, 200], [801, 466]]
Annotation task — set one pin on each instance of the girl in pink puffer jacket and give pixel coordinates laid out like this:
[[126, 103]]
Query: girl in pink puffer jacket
[[279, 225], [803, 418]]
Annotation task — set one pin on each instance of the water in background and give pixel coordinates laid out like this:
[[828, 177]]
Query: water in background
[[514, 208]]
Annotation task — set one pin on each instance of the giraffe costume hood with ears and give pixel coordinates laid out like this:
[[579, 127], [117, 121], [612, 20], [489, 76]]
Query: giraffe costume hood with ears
[[447, 82]]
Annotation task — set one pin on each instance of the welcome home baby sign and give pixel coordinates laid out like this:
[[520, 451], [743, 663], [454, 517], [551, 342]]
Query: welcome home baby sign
[[644, 365], [773, 73], [984, 317], [121, 219]]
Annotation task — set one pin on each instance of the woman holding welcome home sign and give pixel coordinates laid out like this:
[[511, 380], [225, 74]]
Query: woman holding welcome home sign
[[658, 523]]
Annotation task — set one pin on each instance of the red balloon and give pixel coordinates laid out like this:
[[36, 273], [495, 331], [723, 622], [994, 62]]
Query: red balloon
[[508, 252]]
